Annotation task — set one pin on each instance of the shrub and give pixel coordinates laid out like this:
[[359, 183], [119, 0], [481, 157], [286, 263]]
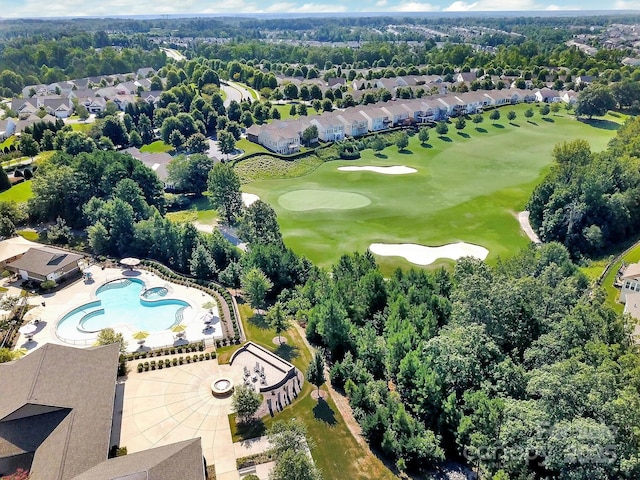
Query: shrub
[[174, 361], [167, 363], [188, 358], [140, 368], [153, 364], [48, 285], [160, 365], [207, 355], [201, 356], [181, 360]]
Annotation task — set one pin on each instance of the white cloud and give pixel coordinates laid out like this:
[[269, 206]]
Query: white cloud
[[416, 7], [280, 7], [624, 5], [381, 3], [492, 5], [320, 8]]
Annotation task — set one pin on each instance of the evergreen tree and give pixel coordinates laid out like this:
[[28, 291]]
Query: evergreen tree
[[315, 372]]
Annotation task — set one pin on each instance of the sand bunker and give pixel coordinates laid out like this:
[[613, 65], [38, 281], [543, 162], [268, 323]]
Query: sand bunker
[[302, 200], [395, 170], [249, 198], [423, 255]]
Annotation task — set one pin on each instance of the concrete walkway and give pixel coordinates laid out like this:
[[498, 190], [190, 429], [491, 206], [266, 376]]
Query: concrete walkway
[[525, 225]]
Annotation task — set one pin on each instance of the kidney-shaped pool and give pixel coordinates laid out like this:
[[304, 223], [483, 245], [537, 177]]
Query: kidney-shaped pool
[[122, 301]]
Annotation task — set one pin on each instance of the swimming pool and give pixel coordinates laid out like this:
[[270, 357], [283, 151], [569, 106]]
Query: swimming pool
[[122, 301]]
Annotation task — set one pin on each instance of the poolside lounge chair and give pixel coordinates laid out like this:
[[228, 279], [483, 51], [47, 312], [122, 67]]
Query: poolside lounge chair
[[257, 367]]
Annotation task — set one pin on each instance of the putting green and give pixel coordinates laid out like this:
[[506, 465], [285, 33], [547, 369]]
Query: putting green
[[303, 200]]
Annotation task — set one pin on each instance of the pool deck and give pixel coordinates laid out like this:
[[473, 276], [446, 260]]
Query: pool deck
[[57, 304]]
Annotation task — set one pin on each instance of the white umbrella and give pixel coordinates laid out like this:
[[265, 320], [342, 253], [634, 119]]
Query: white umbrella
[[28, 329], [130, 261]]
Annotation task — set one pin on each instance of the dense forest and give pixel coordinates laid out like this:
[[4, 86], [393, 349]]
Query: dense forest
[[590, 201], [519, 369]]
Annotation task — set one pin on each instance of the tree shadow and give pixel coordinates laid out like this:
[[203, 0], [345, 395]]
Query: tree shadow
[[252, 429], [464, 135], [259, 321], [532, 122], [603, 124], [380, 155], [481, 130], [497, 125], [426, 145], [405, 151], [514, 124], [287, 352], [549, 120], [445, 139], [323, 412]]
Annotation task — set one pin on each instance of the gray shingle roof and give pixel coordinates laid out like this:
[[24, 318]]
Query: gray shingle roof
[[45, 260], [181, 460], [40, 388]]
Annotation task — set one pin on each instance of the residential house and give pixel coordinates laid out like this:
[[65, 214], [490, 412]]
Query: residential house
[[336, 82], [630, 281], [377, 119], [448, 105], [570, 97], [389, 83], [145, 72], [584, 80], [548, 96], [58, 107], [123, 100], [330, 128], [397, 114], [280, 137], [355, 125], [25, 106], [155, 161], [465, 77], [93, 104], [56, 418], [32, 90], [46, 263]]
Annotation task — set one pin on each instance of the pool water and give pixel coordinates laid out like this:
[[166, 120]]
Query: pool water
[[119, 302]]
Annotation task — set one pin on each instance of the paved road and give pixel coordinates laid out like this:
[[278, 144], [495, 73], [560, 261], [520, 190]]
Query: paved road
[[235, 91], [171, 53]]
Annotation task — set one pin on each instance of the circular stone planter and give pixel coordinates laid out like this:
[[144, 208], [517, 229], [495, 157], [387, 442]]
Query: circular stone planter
[[221, 387]]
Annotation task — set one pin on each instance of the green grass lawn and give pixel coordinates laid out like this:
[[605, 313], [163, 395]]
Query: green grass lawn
[[29, 235], [249, 147], [81, 127], [8, 142], [266, 167], [468, 187], [20, 192], [200, 210], [156, 147], [633, 256], [335, 451]]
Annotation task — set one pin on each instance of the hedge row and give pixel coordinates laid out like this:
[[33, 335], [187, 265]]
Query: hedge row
[[167, 363], [191, 347]]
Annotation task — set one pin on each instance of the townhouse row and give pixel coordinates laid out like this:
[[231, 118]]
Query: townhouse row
[[285, 137]]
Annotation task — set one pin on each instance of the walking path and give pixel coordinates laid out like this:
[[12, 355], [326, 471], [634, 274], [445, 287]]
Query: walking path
[[523, 218], [341, 401]]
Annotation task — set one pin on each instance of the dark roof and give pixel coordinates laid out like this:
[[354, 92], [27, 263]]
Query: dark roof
[[66, 395], [181, 460], [45, 260], [155, 161]]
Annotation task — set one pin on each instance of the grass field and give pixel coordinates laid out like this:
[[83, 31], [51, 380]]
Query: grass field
[[18, 193], [81, 127], [468, 187], [8, 142], [156, 147], [249, 147], [200, 210], [268, 167]]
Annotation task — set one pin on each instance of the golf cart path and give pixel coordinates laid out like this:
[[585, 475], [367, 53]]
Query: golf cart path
[[523, 218]]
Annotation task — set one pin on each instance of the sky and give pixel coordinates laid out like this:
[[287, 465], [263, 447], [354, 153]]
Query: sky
[[77, 8]]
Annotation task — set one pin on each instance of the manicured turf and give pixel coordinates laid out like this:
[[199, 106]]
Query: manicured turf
[[265, 167], [303, 200], [81, 127], [336, 452], [249, 147], [20, 192], [8, 142], [200, 210], [468, 187], [156, 147]]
